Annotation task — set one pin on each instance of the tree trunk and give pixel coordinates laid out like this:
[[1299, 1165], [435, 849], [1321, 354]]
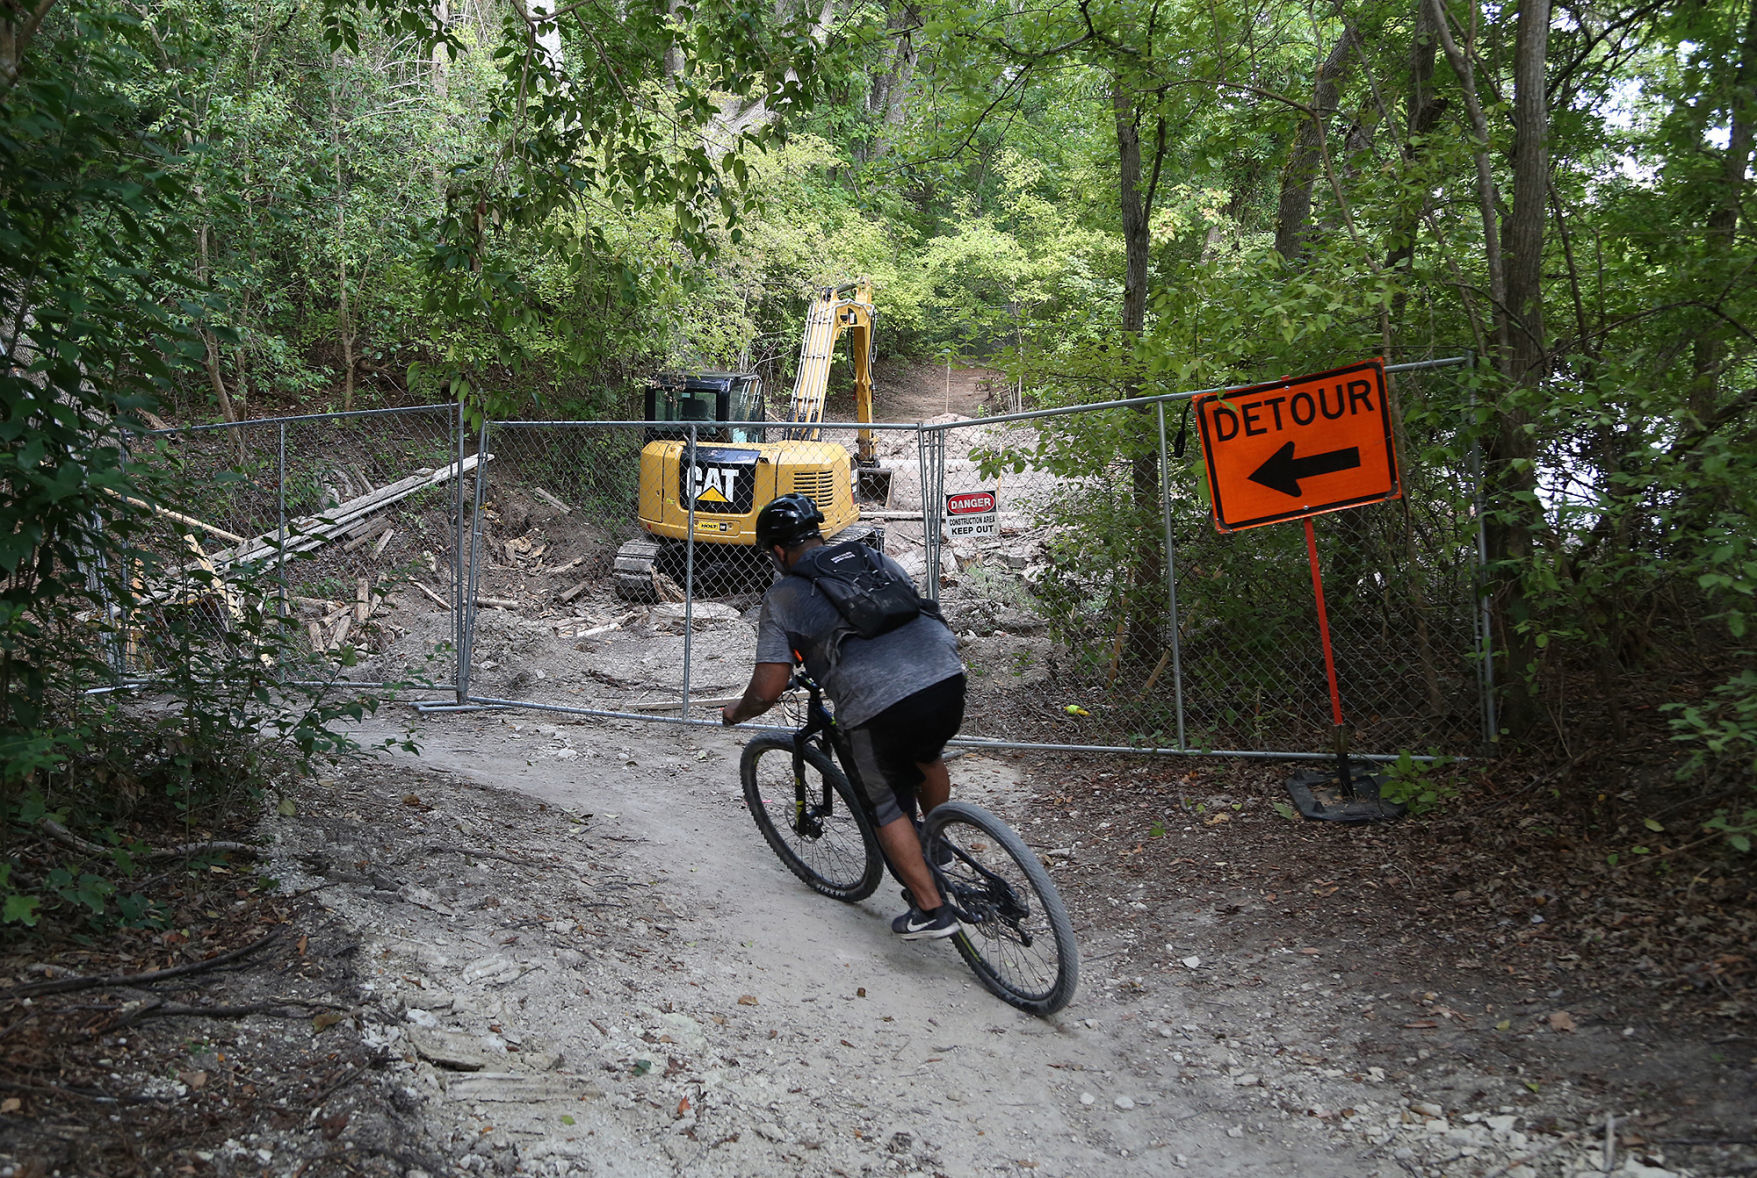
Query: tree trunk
[[1421, 114], [16, 34], [1710, 346], [898, 81], [210, 343], [441, 92], [344, 305], [1295, 210], [1135, 192], [1516, 516]]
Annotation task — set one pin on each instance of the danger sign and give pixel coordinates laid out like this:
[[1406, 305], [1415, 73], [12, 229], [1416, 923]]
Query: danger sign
[[972, 513], [1298, 447]]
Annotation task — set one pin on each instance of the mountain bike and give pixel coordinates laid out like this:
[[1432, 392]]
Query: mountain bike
[[1016, 934]]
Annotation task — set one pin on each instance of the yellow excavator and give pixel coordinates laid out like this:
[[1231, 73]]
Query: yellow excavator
[[742, 461]]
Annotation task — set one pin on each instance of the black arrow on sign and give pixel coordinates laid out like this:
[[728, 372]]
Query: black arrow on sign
[[1282, 471]]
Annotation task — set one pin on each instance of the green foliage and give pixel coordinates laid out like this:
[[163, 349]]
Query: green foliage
[[1424, 785], [95, 315], [1719, 736]]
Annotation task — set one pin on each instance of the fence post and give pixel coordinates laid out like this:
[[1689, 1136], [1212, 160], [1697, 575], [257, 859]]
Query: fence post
[[1177, 662], [457, 561], [281, 516], [469, 621], [931, 446], [1485, 640], [929, 538], [689, 486]]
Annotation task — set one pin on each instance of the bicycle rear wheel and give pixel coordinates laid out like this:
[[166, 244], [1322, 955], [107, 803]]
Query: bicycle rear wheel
[[833, 849], [1017, 936]]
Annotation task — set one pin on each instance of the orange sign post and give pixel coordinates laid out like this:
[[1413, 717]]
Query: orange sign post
[[1298, 447], [1293, 449]]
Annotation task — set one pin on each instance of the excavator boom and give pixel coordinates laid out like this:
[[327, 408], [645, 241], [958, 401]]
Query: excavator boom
[[834, 310]]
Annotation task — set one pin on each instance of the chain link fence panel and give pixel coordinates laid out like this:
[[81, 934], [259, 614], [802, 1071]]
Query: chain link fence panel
[[581, 607], [1099, 605], [332, 541]]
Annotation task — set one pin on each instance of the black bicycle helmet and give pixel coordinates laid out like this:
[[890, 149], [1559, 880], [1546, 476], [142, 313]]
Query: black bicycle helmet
[[789, 521]]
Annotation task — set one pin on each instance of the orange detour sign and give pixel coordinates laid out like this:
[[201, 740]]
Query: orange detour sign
[[1298, 447]]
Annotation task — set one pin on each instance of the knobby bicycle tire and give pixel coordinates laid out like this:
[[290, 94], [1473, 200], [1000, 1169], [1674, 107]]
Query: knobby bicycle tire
[[843, 860], [1017, 937]]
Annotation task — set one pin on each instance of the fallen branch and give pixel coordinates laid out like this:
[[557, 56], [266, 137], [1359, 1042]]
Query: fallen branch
[[278, 1007], [61, 834], [67, 985], [348, 1077], [569, 594], [58, 1090], [497, 602], [551, 500], [178, 517]]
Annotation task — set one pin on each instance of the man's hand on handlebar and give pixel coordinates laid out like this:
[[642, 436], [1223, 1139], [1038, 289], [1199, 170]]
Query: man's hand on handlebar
[[767, 682]]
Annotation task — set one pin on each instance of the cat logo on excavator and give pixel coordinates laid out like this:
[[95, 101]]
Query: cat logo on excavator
[[721, 481]]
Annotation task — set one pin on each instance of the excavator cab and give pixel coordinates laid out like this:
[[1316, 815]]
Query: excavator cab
[[710, 399]]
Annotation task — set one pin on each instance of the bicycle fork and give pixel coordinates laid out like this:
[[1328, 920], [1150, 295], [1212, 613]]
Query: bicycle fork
[[807, 819]]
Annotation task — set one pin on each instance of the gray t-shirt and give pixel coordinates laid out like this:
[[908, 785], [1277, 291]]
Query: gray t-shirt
[[869, 674]]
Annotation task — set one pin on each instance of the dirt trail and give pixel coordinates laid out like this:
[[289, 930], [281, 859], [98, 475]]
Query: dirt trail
[[642, 989], [853, 1050]]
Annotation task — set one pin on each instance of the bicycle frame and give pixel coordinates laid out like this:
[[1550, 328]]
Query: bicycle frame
[[820, 725]]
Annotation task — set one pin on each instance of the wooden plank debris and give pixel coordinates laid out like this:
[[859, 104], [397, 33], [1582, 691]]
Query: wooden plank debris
[[672, 705], [551, 500], [367, 533], [441, 602], [176, 517], [345, 520]]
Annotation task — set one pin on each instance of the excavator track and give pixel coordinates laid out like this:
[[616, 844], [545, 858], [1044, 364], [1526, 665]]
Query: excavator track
[[636, 562]]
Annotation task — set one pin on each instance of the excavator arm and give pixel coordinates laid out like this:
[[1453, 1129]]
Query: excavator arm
[[834, 310]]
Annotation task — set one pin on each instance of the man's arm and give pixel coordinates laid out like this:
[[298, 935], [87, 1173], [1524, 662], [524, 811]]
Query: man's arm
[[767, 682]]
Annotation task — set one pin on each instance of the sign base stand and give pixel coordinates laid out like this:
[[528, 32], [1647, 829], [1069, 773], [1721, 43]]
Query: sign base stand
[[1325, 795]]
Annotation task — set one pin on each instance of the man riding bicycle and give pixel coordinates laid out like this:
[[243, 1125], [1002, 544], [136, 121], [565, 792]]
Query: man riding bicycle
[[899, 696]]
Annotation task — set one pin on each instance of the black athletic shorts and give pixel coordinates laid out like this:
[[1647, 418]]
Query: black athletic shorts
[[911, 732]]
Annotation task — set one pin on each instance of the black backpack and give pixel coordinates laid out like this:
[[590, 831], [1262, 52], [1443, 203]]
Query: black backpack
[[862, 589]]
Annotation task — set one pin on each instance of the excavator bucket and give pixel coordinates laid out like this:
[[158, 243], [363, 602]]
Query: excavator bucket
[[872, 486]]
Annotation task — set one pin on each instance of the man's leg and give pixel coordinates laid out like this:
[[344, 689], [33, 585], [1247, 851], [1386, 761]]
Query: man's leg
[[904, 850], [935, 787]]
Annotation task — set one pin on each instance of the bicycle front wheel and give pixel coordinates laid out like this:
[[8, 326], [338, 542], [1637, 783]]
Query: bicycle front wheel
[[833, 847], [1017, 936]]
